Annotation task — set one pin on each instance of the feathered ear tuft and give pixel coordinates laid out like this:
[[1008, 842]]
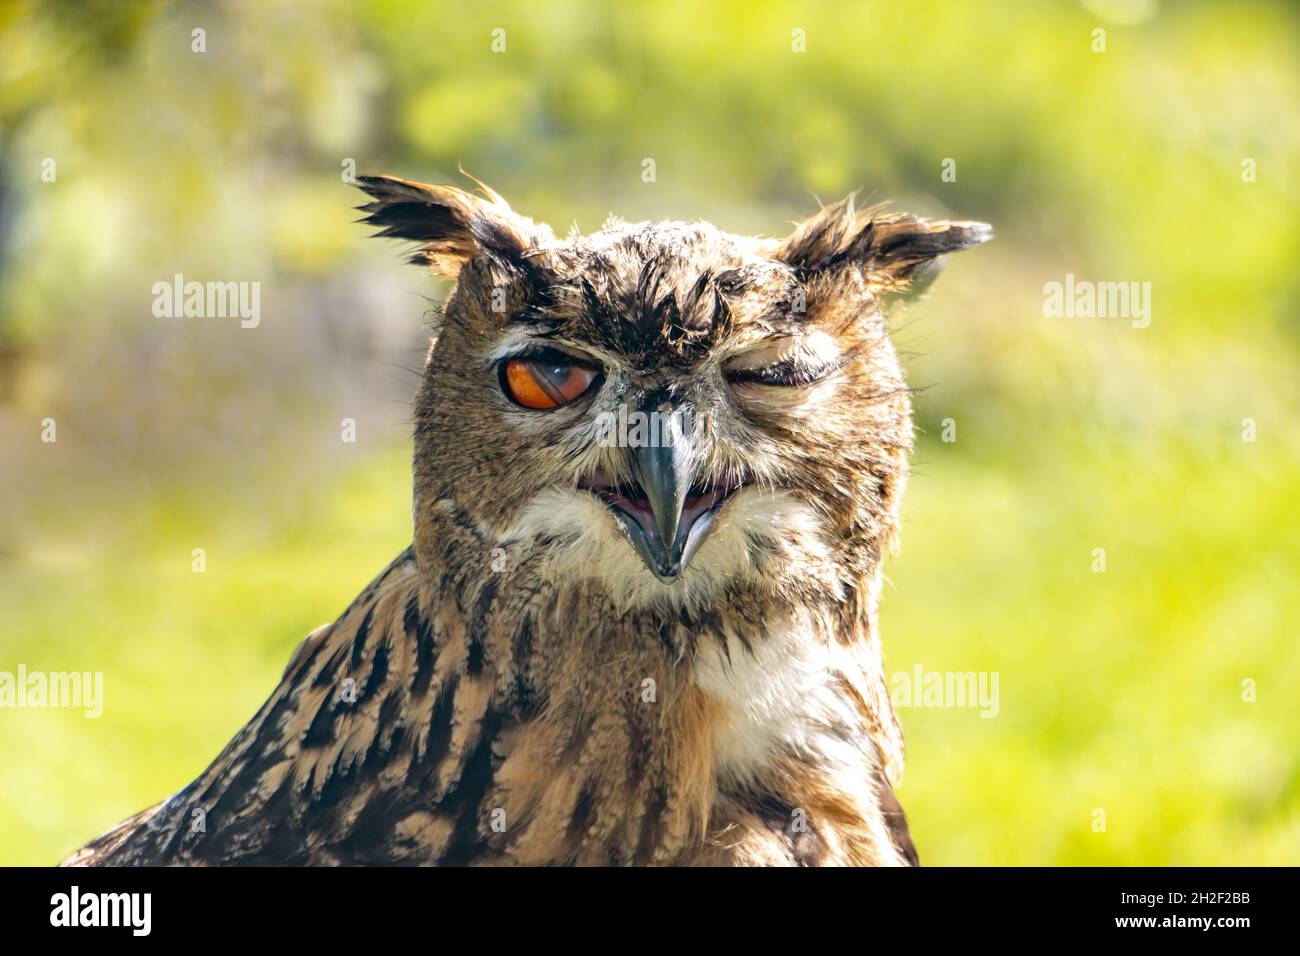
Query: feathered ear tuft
[[889, 245], [451, 225]]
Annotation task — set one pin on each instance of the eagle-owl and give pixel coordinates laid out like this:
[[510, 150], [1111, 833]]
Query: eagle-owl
[[656, 470]]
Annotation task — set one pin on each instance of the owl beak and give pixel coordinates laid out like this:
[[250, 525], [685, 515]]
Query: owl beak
[[664, 473], [666, 514], [663, 469]]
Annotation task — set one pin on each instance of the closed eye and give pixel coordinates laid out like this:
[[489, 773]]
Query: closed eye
[[789, 372]]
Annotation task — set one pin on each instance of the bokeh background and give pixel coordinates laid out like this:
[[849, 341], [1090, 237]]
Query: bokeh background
[[1123, 691]]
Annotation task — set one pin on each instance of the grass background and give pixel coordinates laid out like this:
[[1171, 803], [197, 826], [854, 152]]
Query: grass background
[[1120, 691]]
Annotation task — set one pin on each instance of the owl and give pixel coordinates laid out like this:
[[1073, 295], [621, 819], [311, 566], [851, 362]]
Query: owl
[[656, 471]]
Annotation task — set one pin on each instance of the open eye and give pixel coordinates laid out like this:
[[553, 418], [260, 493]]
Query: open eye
[[545, 381]]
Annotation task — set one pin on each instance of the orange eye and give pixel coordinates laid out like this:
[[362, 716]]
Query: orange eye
[[545, 383]]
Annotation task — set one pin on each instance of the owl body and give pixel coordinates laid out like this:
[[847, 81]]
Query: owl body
[[608, 647]]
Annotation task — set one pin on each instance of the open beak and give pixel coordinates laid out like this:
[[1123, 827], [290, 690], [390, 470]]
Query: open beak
[[663, 470], [665, 513]]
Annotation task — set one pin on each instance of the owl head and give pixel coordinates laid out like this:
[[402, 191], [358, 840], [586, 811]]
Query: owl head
[[664, 410]]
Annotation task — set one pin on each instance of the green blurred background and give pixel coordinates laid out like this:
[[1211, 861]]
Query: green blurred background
[[1120, 691]]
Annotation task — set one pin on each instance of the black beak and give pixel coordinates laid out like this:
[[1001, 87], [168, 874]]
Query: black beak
[[665, 514], [662, 468]]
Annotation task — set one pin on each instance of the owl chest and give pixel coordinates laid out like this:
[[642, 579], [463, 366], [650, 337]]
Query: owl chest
[[693, 768], [778, 700]]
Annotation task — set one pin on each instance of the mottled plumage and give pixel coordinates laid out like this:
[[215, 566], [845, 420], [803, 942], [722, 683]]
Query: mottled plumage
[[596, 653]]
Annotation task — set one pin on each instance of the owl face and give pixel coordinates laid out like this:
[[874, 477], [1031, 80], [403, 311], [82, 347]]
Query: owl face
[[664, 408]]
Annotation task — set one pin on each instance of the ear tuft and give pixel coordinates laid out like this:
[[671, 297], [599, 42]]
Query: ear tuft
[[889, 245], [451, 225]]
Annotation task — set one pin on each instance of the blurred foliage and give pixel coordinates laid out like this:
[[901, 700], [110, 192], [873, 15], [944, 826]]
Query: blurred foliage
[[1119, 691]]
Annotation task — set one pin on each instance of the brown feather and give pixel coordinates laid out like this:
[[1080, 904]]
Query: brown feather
[[516, 688]]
